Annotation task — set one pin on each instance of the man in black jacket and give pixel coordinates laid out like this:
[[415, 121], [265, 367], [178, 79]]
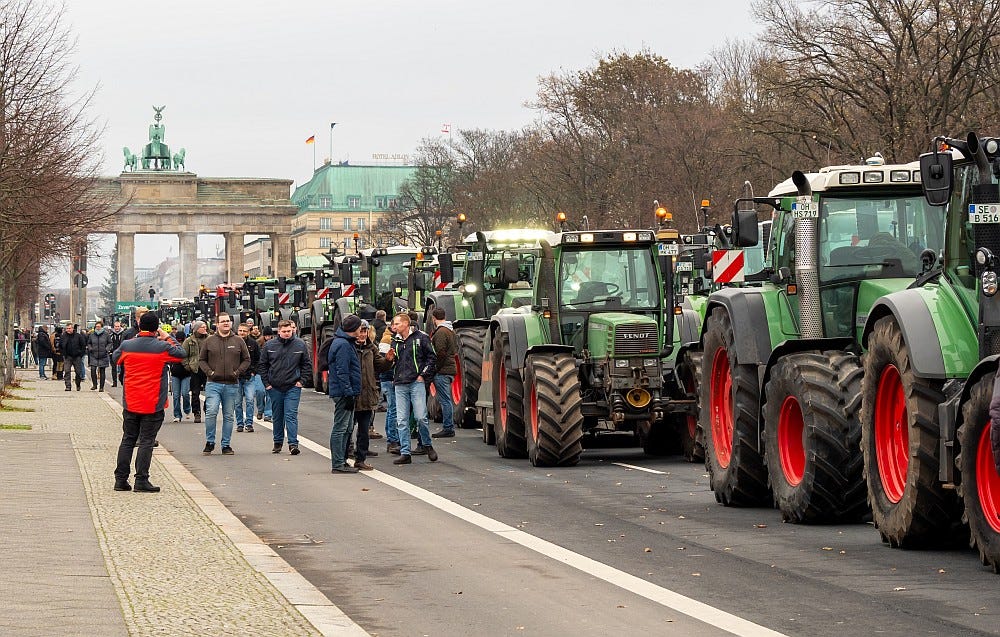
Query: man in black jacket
[[248, 382], [284, 364], [116, 337], [74, 348]]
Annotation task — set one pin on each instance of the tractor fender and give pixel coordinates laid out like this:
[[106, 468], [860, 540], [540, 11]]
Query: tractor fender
[[444, 301], [918, 330], [516, 328], [688, 327], [344, 305], [549, 348], [792, 346], [746, 309], [471, 323]]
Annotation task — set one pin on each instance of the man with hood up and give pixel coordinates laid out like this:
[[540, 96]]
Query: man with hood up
[[344, 386], [98, 355], [446, 351]]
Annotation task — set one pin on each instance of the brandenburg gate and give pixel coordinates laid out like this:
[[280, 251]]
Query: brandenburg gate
[[156, 195]]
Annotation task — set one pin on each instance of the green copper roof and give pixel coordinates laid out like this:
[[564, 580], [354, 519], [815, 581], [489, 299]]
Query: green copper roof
[[310, 262], [340, 188]]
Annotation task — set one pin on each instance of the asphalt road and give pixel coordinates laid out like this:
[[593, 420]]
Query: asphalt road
[[399, 566]]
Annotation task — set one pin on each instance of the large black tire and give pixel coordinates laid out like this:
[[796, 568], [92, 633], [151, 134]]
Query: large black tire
[[692, 439], [730, 399], [470, 349], [899, 440], [812, 437], [979, 487], [553, 411], [508, 402]]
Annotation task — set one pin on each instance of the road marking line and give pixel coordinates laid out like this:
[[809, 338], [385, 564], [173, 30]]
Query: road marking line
[[654, 593], [632, 466]]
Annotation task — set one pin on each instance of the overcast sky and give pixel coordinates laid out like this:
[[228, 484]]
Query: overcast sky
[[246, 82]]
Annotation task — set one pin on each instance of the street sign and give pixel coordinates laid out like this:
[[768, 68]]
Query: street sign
[[124, 307]]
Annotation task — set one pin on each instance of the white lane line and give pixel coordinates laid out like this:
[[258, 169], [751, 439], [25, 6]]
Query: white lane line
[[658, 594], [632, 466]]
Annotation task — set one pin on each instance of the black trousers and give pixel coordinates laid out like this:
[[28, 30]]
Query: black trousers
[[114, 374], [197, 384], [97, 373], [363, 420], [138, 430]]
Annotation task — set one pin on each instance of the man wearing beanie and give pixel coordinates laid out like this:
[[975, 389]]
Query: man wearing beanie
[[344, 386], [192, 350], [145, 359]]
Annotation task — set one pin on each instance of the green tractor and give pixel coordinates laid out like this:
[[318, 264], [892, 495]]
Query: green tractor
[[586, 354], [498, 267], [932, 355], [781, 373]]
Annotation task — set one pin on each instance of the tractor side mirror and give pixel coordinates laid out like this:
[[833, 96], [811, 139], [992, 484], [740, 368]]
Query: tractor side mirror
[[447, 267], [346, 275], [744, 232], [299, 297], [261, 291], [282, 284], [510, 271], [232, 296], [935, 177], [320, 278]]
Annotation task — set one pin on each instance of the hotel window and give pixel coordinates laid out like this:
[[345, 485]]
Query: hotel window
[[324, 242], [347, 223], [325, 201], [361, 223], [354, 202], [381, 202], [325, 223]]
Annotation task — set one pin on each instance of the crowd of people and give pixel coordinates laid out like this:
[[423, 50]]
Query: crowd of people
[[247, 372]]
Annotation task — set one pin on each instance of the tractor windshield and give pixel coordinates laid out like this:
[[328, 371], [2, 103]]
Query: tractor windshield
[[866, 237], [392, 271], [601, 279]]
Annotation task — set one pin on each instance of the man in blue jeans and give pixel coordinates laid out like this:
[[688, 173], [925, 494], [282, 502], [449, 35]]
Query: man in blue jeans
[[284, 365], [414, 358], [385, 383], [344, 387], [223, 358], [446, 367]]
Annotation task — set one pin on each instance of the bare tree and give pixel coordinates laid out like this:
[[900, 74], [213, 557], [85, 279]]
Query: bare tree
[[48, 150]]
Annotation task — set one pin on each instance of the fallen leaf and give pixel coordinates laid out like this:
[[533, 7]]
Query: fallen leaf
[[899, 588], [941, 570], [647, 550], [696, 574], [598, 524], [365, 489], [621, 606], [760, 526], [827, 548]]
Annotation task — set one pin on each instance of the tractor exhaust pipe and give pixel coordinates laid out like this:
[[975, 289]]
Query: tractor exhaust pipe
[[979, 155], [547, 283], [806, 269]]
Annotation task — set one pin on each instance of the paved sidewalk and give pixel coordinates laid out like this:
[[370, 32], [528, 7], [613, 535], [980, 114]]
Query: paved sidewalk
[[79, 558]]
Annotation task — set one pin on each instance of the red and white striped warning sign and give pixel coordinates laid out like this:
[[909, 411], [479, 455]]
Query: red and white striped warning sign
[[438, 284], [322, 293], [349, 290], [283, 297], [727, 266]]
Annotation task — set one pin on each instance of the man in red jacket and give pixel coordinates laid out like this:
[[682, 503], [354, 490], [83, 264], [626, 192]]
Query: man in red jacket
[[144, 359]]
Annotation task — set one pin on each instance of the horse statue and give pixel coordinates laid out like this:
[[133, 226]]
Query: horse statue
[[131, 161], [179, 160]]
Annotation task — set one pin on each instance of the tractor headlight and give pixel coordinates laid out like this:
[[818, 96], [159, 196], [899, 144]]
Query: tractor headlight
[[621, 362], [989, 280], [649, 362], [470, 288]]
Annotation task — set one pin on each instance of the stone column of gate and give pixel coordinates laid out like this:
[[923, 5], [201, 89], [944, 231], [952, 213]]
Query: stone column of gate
[[281, 254], [234, 257], [188, 242], [126, 266]]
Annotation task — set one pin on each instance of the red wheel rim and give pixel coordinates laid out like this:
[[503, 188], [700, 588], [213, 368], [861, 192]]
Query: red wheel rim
[[502, 380], [456, 383], [721, 408], [692, 420], [892, 434], [791, 448], [987, 481], [534, 412]]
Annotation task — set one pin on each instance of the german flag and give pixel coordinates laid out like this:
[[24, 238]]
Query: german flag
[[311, 140]]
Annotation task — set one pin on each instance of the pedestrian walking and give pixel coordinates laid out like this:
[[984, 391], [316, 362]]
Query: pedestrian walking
[[223, 358], [145, 358], [413, 357], [389, 394], [57, 358], [344, 387], [372, 364], [445, 351], [115, 339], [98, 355], [284, 367], [249, 383], [20, 345], [43, 350], [192, 349], [74, 348], [263, 401]]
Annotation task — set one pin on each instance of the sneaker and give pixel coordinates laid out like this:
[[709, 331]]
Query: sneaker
[[344, 469], [239, 428], [420, 450], [431, 454], [248, 429], [276, 448], [228, 451], [443, 433], [293, 449], [363, 466], [176, 420], [402, 460], [209, 448]]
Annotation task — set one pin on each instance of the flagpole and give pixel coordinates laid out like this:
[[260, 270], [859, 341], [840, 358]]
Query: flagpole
[[332, 124], [314, 156]]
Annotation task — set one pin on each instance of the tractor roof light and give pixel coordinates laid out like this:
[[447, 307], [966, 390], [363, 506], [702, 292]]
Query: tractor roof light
[[561, 217], [587, 237], [850, 178]]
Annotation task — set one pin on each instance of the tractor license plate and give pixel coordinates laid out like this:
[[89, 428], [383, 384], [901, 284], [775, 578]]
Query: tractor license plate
[[984, 213], [805, 210], [668, 248], [684, 266]]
